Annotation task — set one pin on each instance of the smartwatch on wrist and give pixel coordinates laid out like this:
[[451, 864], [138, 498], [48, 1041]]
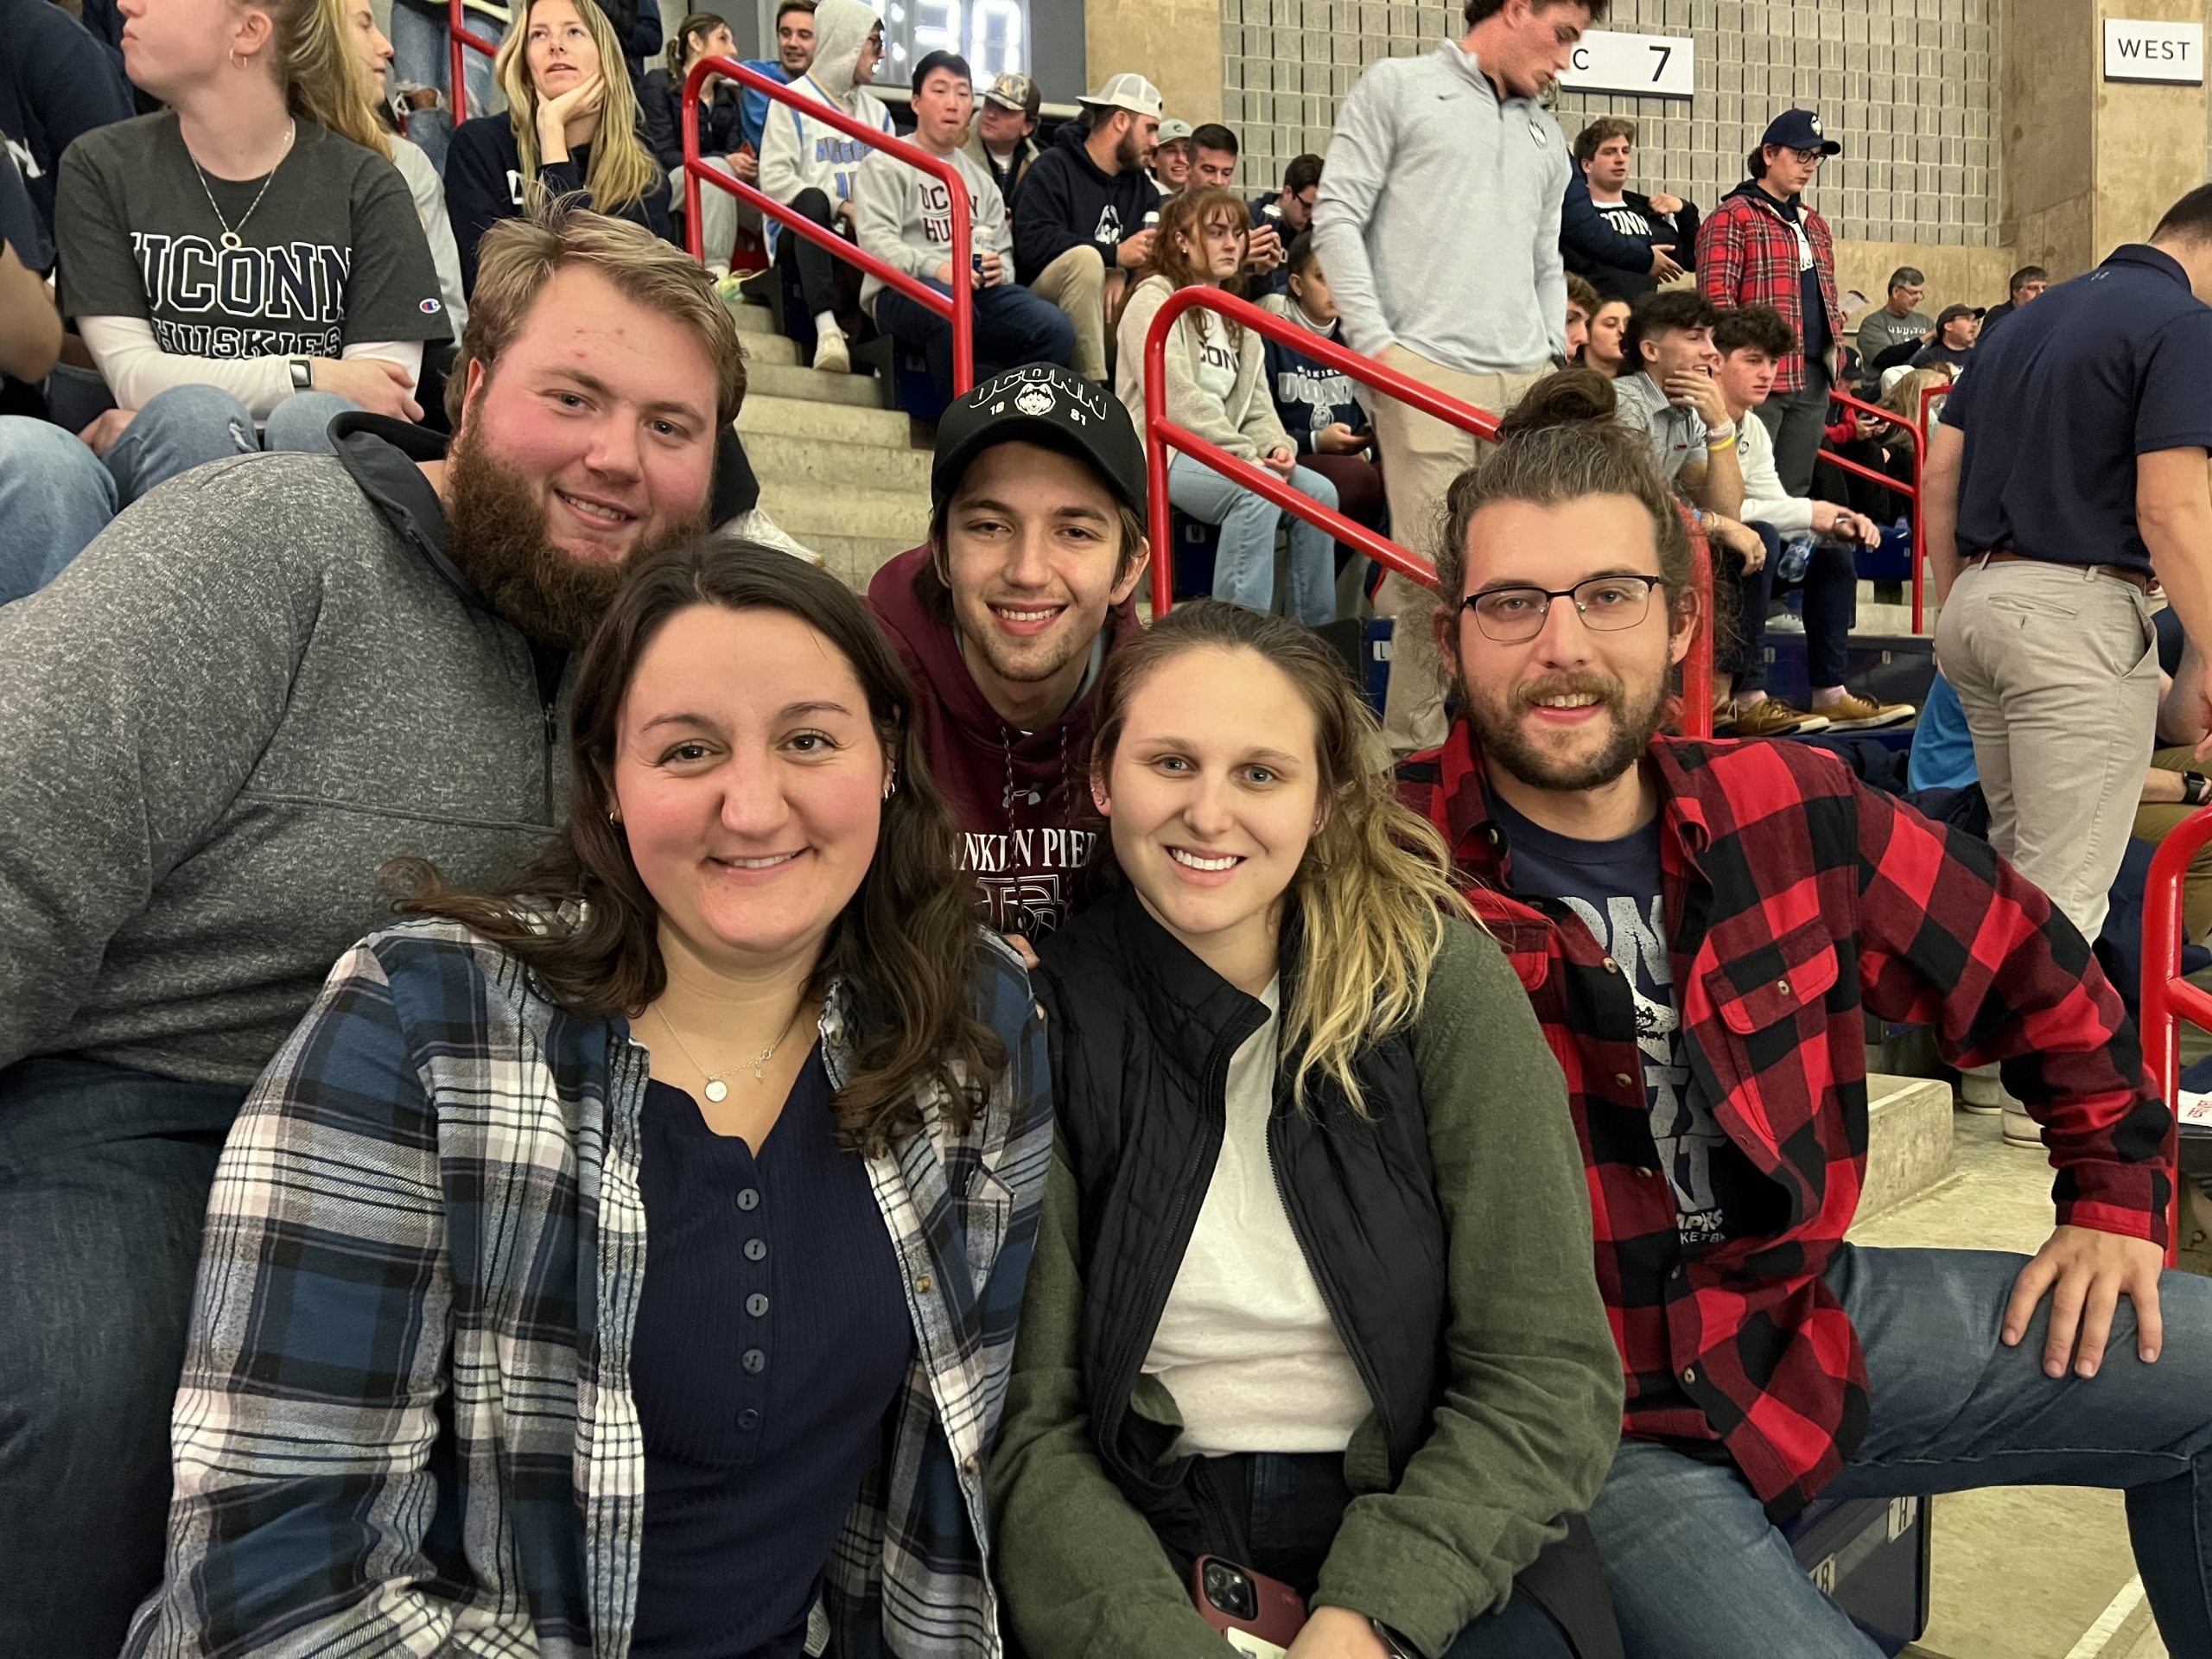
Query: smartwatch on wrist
[[1393, 1645], [2195, 788], [302, 374]]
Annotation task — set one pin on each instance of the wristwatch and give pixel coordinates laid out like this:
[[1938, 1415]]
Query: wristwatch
[[302, 374], [2195, 789], [1393, 1645]]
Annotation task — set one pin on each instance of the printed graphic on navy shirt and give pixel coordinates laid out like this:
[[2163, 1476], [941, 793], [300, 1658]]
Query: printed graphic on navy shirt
[[1613, 888]]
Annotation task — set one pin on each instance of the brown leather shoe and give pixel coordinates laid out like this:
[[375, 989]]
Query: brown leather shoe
[[1772, 717]]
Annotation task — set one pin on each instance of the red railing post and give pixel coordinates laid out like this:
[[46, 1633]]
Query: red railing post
[[960, 307], [2167, 997], [1163, 434], [1910, 492], [460, 37]]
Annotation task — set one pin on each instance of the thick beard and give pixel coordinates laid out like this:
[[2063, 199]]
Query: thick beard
[[495, 532], [1498, 730], [1128, 154]]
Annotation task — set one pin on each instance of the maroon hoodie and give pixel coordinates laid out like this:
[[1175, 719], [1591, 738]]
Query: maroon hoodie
[[1016, 796]]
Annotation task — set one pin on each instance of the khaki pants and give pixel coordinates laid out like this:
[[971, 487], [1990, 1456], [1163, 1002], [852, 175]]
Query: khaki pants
[[1420, 456], [1076, 282], [2057, 667]]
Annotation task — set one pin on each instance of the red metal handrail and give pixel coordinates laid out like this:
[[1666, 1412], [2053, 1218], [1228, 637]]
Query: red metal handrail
[[960, 309], [1911, 492], [2168, 998], [1163, 434], [461, 38]]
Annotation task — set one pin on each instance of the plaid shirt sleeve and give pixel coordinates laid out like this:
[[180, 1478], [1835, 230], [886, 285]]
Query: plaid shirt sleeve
[[1953, 936], [1720, 255], [308, 1408]]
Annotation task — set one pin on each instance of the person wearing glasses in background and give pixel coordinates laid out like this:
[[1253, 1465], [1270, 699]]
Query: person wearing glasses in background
[[1762, 245]]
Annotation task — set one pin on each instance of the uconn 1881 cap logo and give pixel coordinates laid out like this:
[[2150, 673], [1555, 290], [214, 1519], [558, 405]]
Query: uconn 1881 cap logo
[[1034, 400]]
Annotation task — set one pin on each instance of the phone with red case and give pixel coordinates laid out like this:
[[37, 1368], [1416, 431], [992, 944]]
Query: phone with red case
[[1259, 1615]]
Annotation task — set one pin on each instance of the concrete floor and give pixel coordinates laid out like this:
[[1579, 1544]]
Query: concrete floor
[[2023, 1572]]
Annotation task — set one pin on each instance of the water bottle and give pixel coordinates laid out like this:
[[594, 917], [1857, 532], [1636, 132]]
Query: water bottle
[[1797, 554]]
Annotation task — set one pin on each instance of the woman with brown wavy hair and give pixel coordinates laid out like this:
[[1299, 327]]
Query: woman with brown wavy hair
[[629, 1260]]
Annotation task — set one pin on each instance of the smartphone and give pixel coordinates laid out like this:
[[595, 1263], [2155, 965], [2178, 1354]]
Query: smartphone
[[1259, 1615]]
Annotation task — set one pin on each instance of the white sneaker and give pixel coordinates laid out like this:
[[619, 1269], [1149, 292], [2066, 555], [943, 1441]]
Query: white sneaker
[[1981, 1092], [831, 356], [2021, 1130]]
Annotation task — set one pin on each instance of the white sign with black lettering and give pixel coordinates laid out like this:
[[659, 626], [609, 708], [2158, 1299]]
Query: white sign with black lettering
[[2168, 52], [1650, 65]]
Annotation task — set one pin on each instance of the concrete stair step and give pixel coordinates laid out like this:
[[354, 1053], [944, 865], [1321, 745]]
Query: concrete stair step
[[789, 380], [1910, 1141], [808, 509], [853, 560], [753, 319], [843, 424], [767, 347], [797, 461]]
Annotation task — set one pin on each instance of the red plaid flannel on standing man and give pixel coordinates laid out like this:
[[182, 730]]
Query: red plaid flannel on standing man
[[1747, 255], [1796, 900]]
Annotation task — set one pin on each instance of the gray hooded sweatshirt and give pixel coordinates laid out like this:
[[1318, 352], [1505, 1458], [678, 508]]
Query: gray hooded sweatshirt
[[254, 688], [799, 153], [1437, 221]]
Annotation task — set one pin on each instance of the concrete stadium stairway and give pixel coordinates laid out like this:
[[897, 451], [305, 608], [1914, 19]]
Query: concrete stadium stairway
[[838, 471]]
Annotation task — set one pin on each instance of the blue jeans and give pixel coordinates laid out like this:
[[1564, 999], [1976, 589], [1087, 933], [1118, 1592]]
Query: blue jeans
[[54, 497], [1013, 327], [419, 57], [104, 1179], [1697, 1570], [1244, 565], [1831, 585], [1294, 1506], [189, 426]]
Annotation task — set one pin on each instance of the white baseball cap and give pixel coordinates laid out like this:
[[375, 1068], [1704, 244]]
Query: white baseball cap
[[1125, 91], [1173, 131]]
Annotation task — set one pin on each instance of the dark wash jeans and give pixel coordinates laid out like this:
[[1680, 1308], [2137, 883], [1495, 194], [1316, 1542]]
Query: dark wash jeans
[[1291, 1505], [104, 1180]]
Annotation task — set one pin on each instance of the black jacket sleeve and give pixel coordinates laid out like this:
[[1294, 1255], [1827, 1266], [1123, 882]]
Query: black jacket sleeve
[[1043, 221], [1583, 231], [661, 100], [477, 194]]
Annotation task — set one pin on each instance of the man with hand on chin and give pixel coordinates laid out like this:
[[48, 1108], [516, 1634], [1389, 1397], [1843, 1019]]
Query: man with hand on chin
[[1703, 928], [246, 696], [1005, 618]]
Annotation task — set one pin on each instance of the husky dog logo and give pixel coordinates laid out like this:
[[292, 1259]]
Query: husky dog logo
[[1034, 400], [1817, 126]]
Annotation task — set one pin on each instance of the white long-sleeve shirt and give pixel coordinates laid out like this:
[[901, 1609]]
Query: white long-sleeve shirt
[[1765, 501]]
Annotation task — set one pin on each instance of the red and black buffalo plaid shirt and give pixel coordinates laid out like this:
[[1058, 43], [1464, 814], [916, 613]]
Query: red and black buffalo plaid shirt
[[1747, 255], [1796, 900]]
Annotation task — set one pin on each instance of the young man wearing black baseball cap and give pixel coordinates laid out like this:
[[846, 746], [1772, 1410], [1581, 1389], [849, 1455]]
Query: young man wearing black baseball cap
[[1956, 330], [1762, 245], [1005, 618]]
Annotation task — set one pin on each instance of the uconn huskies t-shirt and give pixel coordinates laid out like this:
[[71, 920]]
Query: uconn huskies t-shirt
[[1613, 888], [332, 257]]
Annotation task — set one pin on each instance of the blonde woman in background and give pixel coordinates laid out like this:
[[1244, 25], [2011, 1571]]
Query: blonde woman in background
[[571, 125]]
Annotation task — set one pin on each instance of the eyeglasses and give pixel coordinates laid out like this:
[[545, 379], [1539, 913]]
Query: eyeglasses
[[1513, 616], [1810, 157]]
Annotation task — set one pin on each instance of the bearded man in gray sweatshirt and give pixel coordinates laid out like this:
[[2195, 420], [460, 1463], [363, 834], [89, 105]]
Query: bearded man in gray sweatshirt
[[1474, 303], [256, 686], [904, 217]]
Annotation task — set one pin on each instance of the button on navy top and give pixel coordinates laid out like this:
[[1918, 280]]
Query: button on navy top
[[772, 1335], [2056, 405]]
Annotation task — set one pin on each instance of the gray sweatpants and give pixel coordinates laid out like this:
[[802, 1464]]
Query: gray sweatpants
[[2057, 667]]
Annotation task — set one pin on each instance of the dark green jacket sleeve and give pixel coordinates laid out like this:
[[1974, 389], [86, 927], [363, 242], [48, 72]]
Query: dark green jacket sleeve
[[1532, 1405], [1081, 1575]]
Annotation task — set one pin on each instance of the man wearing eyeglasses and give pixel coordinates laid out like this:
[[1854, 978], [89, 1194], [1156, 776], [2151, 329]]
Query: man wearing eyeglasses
[[1762, 245], [1703, 928]]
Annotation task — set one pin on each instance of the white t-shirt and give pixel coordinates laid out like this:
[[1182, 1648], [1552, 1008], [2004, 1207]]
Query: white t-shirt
[[1245, 1343]]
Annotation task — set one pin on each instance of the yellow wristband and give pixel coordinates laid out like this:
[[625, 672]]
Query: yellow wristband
[[1725, 444]]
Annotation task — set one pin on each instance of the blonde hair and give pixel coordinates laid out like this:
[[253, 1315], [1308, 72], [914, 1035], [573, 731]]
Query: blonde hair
[[315, 64], [1903, 399], [1375, 886], [518, 256], [623, 172]]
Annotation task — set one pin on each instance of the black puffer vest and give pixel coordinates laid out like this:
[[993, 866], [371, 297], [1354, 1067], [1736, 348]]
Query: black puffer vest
[[1141, 1037]]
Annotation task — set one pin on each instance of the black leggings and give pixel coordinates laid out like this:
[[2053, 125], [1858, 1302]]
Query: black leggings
[[817, 267]]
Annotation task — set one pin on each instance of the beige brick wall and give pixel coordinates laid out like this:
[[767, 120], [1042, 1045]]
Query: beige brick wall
[[1909, 88]]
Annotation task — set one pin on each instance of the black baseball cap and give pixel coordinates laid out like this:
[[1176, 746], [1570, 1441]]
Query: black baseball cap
[[1953, 313], [1041, 404], [1799, 130]]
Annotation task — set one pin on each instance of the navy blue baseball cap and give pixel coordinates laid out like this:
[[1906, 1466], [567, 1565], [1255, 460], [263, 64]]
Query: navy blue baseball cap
[[1799, 130]]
